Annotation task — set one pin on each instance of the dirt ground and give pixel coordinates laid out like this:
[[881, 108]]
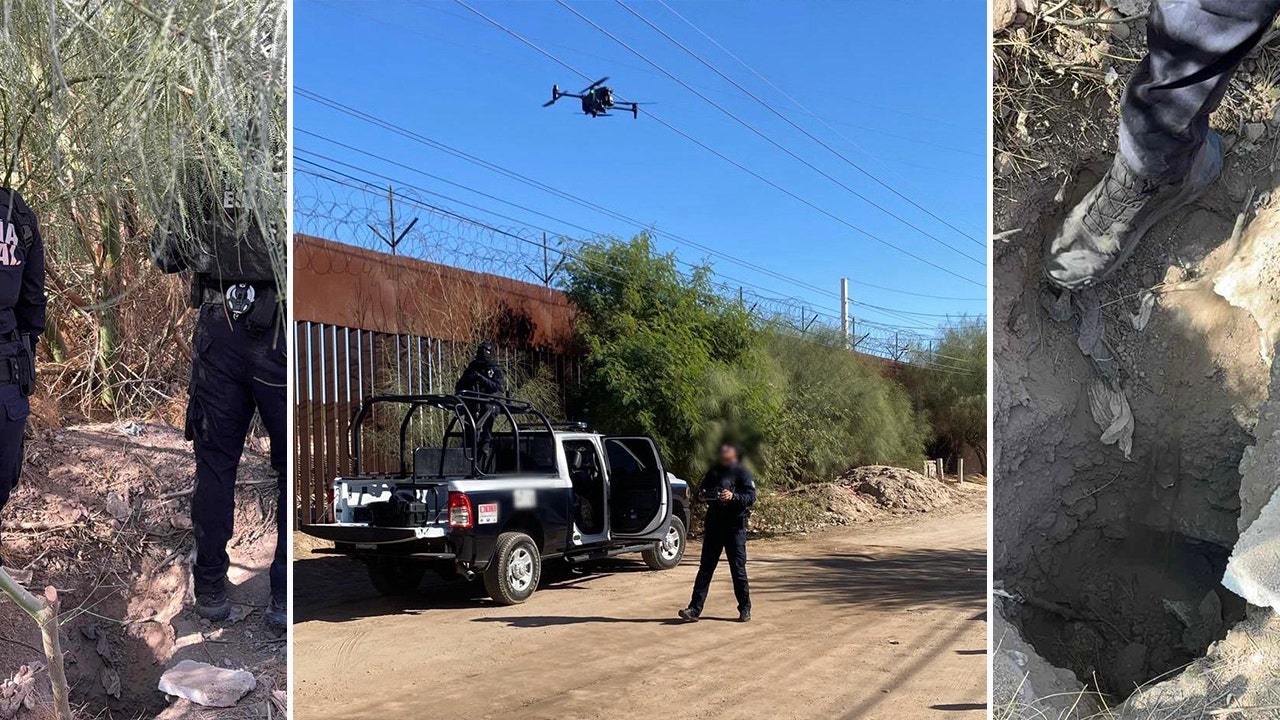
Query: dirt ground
[[102, 516], [879, 620], [1116, 561]]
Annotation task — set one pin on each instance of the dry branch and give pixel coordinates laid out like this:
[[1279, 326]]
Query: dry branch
[[44, 610]]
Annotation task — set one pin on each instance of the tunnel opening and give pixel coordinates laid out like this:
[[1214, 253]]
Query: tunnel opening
[[1120, 612], [1115, 559]]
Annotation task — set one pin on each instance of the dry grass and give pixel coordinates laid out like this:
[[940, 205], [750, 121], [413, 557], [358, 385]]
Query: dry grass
[[1057, 88]]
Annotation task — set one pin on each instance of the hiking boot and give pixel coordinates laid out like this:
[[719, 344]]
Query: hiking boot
[[277, 617], [1103, 230], [689, 615], [213, 604], [744, 615]]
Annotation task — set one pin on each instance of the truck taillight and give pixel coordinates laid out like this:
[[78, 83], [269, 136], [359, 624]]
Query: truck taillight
[[460, 510]]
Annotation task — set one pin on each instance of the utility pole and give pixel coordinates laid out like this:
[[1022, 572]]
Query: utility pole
[[548, 272], [392, 240], [844, 313]]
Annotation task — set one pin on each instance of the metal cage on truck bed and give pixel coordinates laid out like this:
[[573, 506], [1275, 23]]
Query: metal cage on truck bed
[[527, 448]]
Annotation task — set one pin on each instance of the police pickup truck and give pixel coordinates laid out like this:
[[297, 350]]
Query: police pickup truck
[[498, 492]]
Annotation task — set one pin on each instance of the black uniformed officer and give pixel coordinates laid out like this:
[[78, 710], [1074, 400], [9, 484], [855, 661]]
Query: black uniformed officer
[[729, 491], [482, 376], [22, 303], [238, 367]]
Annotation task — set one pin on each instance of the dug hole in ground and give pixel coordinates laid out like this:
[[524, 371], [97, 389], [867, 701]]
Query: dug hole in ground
[[1109, 559], [103, 515]]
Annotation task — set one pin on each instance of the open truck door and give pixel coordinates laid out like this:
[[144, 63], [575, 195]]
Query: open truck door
[[639, 489]]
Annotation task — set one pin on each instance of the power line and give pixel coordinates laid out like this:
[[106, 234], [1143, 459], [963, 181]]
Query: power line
[[455, 152], [828, 314], [729, 160], [404, 166], [765, 136], [364, 186], [786, 119]]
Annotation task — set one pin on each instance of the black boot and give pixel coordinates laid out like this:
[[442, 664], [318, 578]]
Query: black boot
[[213, 604], [277, 617], [1104, 229]]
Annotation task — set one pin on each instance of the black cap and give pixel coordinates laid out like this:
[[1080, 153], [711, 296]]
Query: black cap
[[484, 351]]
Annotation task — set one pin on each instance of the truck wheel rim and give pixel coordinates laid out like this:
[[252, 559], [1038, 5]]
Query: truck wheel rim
[[670, 544], [520, 570]]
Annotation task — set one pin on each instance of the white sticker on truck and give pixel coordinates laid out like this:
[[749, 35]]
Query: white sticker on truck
[[525, 498], [487, 514]]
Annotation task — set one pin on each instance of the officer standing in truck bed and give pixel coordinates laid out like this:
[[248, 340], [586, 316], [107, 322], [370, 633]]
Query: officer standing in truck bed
[[238, 368], [22, 315]]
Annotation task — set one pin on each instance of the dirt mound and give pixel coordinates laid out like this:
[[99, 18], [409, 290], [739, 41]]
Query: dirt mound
[[859, 495], [897, 489], [102, 514]]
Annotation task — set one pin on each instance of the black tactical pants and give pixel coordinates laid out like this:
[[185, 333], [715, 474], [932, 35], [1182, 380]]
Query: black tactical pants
[[1193, 48], [235, 372], [14, 408], [732, 541]]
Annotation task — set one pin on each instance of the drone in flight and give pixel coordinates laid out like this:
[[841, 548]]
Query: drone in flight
[[597, 99]]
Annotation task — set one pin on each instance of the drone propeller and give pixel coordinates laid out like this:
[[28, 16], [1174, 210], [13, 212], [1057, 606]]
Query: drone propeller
[[593, 85]]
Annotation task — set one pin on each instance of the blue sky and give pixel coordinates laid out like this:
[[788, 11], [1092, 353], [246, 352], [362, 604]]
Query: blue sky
[[903, 84]]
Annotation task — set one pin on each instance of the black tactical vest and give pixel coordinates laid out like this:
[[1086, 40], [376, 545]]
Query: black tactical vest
[[224, 243]]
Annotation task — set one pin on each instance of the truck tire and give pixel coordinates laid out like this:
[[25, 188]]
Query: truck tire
[[666, 553], [394, 577], [515, 571]]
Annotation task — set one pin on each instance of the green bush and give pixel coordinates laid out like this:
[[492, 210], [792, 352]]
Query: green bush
[[656, 343], [949, 388], [839, 412], [668, 357]]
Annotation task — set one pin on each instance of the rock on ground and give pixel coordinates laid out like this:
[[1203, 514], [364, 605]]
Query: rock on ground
[[1253, 572], [1236, 679], [206, 684], [1027, 687], [1252, 281]]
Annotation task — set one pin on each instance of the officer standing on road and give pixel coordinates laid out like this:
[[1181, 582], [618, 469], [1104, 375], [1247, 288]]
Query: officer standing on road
[[482, 376], [238, 367], [22, 314], [729, 491]]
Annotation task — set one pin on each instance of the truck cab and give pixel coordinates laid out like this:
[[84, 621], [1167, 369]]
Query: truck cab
[[483, 486]]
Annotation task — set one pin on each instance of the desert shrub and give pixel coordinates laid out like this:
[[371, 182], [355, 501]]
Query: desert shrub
[[668, 357], [659, 345], [103, 103], [949, 388], [839, 411]]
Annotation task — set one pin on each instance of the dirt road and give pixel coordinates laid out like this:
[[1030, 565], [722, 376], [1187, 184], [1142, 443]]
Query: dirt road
[[886, 620]]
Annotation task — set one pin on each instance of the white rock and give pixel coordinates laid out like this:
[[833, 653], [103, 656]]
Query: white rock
[[1253, 572], [206, 684]]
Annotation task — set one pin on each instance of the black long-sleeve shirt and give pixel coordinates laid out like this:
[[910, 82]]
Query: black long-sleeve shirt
[[482, 377], [734, 511], [22, 293]]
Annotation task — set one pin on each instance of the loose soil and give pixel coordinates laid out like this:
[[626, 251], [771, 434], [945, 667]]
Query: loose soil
[[864, 494], [1117, 561], [880, 620], [100, 516]]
